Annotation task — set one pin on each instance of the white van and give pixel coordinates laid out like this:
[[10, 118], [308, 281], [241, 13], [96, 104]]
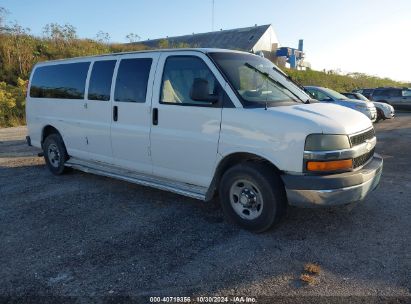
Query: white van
[[202, 122]]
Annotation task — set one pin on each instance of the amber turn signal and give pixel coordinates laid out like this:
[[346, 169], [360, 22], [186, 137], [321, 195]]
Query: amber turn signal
[[333, 165]]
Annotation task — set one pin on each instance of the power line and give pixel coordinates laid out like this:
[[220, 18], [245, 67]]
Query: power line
[[212, 16]]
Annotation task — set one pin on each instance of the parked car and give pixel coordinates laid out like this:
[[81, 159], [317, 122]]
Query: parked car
[[400, 99], [366, 92], [199, 122], [331, 96], [384, 110]]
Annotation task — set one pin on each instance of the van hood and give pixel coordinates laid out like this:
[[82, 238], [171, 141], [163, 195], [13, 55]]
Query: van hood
[[329, 118]]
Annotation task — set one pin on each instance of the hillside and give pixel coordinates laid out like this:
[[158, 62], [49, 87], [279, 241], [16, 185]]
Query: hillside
[[19, 51], [342, 83]]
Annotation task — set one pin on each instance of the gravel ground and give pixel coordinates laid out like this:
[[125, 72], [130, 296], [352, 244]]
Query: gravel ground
[[81, 235]]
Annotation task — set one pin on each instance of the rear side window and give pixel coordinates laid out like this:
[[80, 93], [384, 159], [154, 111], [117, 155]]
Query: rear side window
[[65, 81], [388, 92], [380, 92], [395, 93], [406, 93], [132, 78], [100, 81], [367, 92]]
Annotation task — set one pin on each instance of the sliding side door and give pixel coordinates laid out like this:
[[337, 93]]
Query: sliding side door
[[130, 126]]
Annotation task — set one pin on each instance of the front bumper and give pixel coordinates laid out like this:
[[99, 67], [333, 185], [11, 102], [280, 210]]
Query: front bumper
[[390, 114], [333, 189]]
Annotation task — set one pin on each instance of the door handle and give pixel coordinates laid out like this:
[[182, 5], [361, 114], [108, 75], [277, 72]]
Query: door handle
[[155, 116], [115, 113]]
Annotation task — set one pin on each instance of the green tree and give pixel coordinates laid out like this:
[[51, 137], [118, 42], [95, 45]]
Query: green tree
[[20, 40], [132, 37], [57, 32], [163, 44], [7, 105], [103, 37]]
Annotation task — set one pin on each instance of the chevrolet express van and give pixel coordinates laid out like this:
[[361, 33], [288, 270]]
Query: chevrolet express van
[[202, 123]]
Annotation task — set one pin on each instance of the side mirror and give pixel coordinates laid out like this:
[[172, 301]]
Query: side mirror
[[200, 91]]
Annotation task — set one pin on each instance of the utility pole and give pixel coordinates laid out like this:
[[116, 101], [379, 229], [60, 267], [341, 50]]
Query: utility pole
[[212, 16]]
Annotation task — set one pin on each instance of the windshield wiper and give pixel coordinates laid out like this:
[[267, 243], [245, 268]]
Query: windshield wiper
[[273, 80]]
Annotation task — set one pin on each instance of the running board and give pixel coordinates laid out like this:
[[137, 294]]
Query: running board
[[104, 169]]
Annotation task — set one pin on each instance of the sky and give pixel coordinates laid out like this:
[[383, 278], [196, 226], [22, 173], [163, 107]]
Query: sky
[[364, 36]]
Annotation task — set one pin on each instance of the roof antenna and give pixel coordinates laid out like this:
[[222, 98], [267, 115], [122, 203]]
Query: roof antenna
[[212, 16]]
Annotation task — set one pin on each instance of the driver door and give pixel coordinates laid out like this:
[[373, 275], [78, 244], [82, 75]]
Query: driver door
[[184, 133]]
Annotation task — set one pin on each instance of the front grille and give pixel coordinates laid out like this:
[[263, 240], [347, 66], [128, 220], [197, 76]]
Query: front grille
[[362, 137], [362, 159]]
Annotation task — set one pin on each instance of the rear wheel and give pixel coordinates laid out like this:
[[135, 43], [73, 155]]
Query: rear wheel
[[253, 196], [55, 154]]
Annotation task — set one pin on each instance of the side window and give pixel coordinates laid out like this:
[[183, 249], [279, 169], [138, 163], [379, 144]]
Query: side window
[[132, 78], [395, 93], [313, 93], [383, 93], [179, 74], [406, 93], [100, 81], [65, 81], [323, 97], [319, 95]]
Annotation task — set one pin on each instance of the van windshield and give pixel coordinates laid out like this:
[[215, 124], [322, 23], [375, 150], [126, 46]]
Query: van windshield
[[257, 80]]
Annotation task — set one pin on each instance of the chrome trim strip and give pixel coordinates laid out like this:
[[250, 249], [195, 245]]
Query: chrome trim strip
[[103, 169], [353, 152]]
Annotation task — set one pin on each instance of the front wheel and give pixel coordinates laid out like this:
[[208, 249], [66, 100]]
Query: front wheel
[[380, 115], [253, 196], [55, 154]]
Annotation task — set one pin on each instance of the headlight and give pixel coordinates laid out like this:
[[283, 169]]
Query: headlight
[[326, 142]]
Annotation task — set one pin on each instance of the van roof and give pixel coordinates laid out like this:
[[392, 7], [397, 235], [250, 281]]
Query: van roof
[[202, 50]]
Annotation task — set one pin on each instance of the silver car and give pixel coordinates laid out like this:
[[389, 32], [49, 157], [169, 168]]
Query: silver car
[[328, 95], [384, 110]]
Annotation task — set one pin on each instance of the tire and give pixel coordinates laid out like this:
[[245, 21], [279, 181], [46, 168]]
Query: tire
[[55, 154], [380, 115], [252, 196]]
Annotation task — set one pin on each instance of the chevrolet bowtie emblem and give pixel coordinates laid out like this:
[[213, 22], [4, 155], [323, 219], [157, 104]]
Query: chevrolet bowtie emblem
[[369, 145]]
